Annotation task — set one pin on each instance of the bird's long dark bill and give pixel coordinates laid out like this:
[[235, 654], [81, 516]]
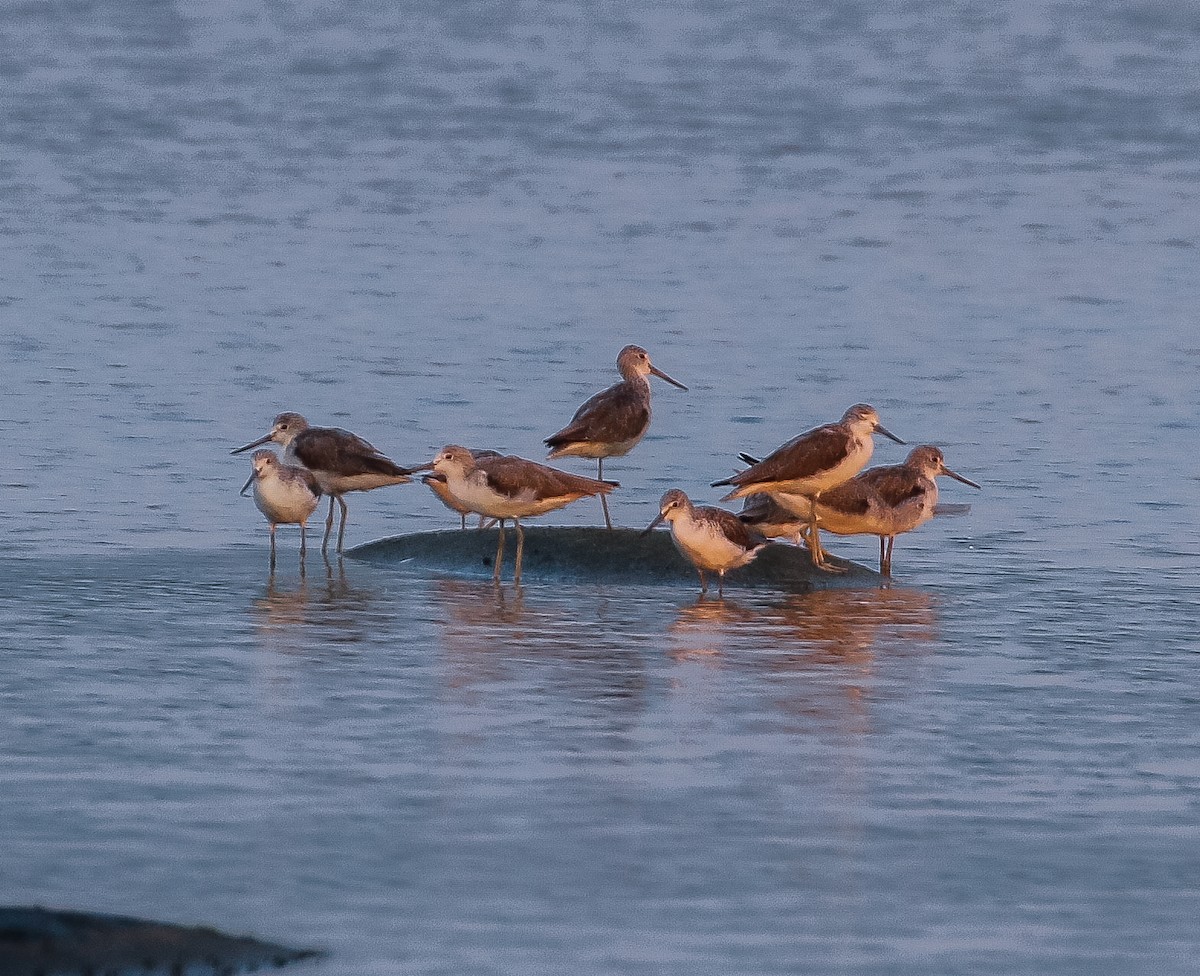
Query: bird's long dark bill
[[879, 428], [652, 526], [663, 376], [246, 447], [249, 482], [414, 468], [428, 478], [958, 477]]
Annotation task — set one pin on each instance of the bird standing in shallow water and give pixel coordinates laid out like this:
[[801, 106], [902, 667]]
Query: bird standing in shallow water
[[710, 538], [341, 461], [611, 423], [510, 488], [285, 494], [887, 501], [796, 473]]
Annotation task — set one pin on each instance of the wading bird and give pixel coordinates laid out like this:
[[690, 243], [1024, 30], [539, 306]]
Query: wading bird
[[796, 473], [284, 493], [611, 423], [887, 501], [342, 462], [510, 488], [710, 538]]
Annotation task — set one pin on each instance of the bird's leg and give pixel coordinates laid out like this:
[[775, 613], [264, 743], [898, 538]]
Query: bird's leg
[[464, 521], [303, 541], [882, 555], [814, 544], [272, 547], [603, 497], [499, 553], [328, 527], [607, 517], [888, 566], [703, 582], [520, 551], [721, 583], [814, 535], [342, 526]]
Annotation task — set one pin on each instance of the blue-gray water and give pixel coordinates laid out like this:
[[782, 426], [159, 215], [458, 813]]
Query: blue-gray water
[[439, 222]]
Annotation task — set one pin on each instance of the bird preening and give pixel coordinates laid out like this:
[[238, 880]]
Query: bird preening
[[816, 480]]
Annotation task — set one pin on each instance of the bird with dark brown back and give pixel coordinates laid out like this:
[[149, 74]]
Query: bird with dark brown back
[[611, 423], [341, 461]]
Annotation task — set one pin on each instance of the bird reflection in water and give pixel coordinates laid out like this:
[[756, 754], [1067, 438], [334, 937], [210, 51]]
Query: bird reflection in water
[[843, 634], [490, 635], [702, 631], [850, 626], [290, 604]]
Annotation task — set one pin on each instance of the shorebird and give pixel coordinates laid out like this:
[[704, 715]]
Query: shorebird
[[710, 538], [611, 423], [437, 484], [796, 473], [341, 461], [510, 488], [768, 518], [284, 493], [887, 501]]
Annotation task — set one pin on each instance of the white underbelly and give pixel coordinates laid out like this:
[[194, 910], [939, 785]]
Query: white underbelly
[[286, 502], [706, 546], [479, 498]]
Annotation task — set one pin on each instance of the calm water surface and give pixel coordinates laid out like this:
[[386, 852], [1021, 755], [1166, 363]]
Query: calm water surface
[[433, 225]]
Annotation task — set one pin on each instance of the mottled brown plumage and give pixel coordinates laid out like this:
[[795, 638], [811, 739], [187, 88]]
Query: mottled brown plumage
[[509, 487], [341, 461], [887, 501], [516, 479], [611, 423], [814, 460], [343, 455], [286, 494], [616, 417], [710, 538], [796, 473], [763, 514]]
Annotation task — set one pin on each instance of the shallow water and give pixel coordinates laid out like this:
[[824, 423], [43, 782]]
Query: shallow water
[[439, 225]]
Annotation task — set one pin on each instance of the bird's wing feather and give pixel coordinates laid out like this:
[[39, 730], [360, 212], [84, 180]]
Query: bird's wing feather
[[310, 480], [333, 449], [895, 483], [735, 530], [617, 414], [512, 476], [852, 498], [803, 456]]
